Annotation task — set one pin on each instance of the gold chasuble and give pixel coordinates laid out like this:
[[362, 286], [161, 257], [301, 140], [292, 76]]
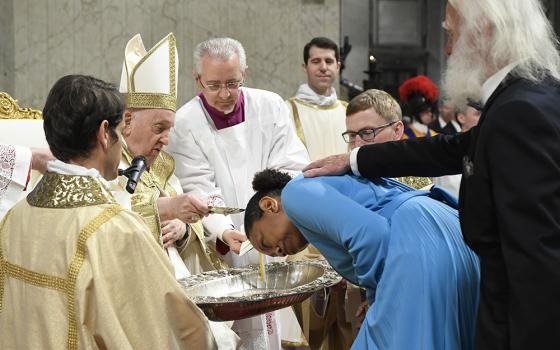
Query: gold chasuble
[[155, 183], [70, 280]]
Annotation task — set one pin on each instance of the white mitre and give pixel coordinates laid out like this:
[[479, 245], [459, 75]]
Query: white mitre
[[149, 78]]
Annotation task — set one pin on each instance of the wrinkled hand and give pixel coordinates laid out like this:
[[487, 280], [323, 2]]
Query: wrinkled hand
[[333, 165], [184, 207], [233, 239], [172, 231], [39, 159], [361, 314]]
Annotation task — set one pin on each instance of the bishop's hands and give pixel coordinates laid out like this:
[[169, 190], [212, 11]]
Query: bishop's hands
[[185, 207], [172, 231], [333, 165], [234, 238]]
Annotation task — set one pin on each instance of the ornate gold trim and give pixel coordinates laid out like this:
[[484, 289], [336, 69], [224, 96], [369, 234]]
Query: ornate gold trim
[[415, 182], [172, 65], [65, 285], [76, 265], [10, 109], [68, 191], [297, 121], [150, 100]]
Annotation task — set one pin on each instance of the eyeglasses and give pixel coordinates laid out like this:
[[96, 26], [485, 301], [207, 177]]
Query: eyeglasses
[[231, 85], [367, 135]]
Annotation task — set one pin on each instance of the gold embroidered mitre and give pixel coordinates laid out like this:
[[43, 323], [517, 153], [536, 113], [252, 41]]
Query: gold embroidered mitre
[[149, 78]]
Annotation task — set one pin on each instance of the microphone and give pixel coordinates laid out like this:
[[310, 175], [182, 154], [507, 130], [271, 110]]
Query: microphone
[[133, 172]]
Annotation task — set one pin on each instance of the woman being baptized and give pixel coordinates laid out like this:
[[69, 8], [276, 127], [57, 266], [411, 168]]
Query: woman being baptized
[[403, 246]]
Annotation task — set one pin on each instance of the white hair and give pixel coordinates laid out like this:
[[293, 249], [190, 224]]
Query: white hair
[[221, 48], [519, 32]]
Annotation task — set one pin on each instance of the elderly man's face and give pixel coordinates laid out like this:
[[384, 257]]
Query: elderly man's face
[[219, 82], [451, 26], [146, 131]]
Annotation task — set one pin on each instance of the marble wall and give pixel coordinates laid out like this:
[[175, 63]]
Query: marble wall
[[44, 40]]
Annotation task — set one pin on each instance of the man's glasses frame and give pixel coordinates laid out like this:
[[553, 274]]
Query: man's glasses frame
[[367, 135], [231, 85]]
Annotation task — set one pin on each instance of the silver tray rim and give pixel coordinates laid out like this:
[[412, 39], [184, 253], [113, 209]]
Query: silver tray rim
[[329, 278]]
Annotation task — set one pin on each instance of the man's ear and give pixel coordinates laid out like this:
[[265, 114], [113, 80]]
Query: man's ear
[[103, 137], [127, 116], [399, 130], [304, 67], [269, 204]]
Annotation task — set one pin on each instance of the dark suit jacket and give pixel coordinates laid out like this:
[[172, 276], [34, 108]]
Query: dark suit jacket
[[434, 125], [448, 129], [509, 207]]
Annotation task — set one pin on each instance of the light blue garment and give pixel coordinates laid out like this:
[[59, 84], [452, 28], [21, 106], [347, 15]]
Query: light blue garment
[[403, 247]]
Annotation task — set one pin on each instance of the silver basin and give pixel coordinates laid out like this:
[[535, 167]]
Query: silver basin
[[239, 293]]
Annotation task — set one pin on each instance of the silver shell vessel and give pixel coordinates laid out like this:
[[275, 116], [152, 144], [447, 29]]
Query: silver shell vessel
[[233, 294]]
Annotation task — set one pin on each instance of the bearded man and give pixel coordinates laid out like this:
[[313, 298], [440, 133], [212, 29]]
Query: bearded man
[[503, 53]]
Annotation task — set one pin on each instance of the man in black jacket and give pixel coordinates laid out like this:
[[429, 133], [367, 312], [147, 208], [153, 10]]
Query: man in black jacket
[[503, 53]]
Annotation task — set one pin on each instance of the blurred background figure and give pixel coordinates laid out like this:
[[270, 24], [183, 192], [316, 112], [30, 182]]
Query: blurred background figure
[[419, 96]]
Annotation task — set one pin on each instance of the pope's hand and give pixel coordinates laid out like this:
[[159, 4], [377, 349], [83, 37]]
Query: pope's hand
[[333, 165], [233, 239], [172, 231], [184, 207]]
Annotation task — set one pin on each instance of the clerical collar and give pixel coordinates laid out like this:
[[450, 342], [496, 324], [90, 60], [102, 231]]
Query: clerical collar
[[306, 94], [222, 120]]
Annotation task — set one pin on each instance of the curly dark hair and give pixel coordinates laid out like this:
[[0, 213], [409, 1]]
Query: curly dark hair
[[268, 182]]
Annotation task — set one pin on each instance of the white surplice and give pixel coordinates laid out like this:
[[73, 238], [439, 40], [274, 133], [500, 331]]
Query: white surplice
[[223, 162], [15, 162]]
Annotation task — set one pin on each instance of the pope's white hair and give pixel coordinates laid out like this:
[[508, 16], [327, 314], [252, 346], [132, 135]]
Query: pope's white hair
[[519, 32], [221, 48]]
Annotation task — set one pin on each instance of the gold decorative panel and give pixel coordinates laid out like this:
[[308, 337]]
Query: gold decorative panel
[[9, 109]]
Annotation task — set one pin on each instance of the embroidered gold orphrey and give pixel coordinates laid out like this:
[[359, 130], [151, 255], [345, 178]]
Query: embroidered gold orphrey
[[66, 285]]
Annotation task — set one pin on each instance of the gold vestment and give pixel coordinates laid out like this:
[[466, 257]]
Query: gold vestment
[[70, 280]]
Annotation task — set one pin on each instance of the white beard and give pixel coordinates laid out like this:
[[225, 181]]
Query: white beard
[[464, 76]]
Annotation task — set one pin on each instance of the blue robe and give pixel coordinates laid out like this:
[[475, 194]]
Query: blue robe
[[403, 247]]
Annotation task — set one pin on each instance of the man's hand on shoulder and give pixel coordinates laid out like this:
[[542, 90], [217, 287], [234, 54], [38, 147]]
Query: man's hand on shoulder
[[333, 165]]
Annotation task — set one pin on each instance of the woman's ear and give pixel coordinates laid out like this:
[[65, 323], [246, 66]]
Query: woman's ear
[[269, 204]]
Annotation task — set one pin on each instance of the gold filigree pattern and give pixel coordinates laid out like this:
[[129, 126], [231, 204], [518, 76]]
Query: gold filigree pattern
[[415, 182], [150, 100], [68, 191], [64, 285], [10, 109]]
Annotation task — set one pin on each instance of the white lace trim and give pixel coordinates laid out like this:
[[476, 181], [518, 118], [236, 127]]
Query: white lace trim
[[7, 166]]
